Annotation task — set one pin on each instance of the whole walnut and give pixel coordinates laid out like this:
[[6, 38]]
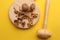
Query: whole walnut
[[25, 7], [32, 7]]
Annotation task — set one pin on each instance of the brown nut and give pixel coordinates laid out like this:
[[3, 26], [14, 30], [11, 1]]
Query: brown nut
[[20, 19], [16, 22], [20, 14], [25, 7], [34, 15], [32, 7], [30, 21], [25, 17], [15, 11], [30, 24], [23, 24]]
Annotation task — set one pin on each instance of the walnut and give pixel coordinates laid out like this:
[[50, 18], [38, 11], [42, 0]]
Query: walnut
[[25, 7], [16, 22], [25, 17], [32, 7], [30, 24], [19, 19], [15, 11], [23, 24], [34, 15], [20, 14]]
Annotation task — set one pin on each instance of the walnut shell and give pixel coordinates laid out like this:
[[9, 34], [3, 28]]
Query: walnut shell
[[25, 7]]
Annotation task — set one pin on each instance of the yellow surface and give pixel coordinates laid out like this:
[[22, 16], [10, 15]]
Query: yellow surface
[[9, 32]]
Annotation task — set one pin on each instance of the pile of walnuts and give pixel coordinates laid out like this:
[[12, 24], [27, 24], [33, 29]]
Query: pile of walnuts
[[25, 13]]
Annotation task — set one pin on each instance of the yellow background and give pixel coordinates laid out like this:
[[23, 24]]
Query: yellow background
[[9, 32]]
